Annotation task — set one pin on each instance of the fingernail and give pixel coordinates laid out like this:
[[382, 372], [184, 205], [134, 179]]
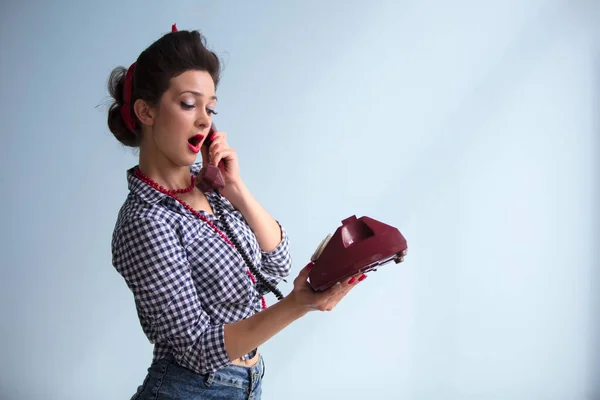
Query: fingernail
[[362, 277], [309, 265], [352, 280], [212, 137]]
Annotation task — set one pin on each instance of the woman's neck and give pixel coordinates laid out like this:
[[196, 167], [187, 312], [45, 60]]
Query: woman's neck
[[164, 172]]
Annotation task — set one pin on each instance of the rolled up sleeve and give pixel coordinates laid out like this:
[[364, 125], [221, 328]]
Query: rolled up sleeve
[[277, 263], [149, 256]]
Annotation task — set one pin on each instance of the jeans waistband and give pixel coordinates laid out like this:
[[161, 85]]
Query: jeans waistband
[[231, 372]]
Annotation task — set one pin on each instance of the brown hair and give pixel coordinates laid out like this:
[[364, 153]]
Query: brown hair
[[168, 57]]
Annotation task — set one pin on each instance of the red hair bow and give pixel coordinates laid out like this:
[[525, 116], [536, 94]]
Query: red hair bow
[[127, 93]]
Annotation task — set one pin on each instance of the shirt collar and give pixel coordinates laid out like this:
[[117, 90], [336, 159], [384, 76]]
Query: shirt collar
[[148, 193]]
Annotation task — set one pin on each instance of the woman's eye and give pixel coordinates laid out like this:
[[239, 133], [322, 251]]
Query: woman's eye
[[186, 105]]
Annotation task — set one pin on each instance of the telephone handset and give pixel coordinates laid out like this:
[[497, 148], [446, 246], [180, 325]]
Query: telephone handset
[[210, 177]]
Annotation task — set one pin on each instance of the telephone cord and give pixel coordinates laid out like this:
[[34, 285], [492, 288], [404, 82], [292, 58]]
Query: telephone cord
[[233, 238]]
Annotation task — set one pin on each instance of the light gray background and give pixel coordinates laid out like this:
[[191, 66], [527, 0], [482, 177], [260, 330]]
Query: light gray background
[[470, 125]]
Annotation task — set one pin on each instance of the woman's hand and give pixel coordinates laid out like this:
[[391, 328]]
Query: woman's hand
[[306, 298], [219, 151]]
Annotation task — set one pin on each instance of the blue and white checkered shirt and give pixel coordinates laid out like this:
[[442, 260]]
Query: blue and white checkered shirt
[[187, 282]]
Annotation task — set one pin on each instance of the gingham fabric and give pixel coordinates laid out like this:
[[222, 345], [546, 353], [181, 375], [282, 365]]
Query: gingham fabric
[[187, 282]]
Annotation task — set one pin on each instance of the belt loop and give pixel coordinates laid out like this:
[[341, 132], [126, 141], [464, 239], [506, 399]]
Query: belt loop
[[208, 380]]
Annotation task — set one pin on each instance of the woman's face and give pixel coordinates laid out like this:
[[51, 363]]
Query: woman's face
[[182, 121]]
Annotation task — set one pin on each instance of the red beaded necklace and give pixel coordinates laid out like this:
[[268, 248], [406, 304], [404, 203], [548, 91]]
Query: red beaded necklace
[[171, 193]]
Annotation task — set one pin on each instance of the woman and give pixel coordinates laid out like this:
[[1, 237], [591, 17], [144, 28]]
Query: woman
[[197, 297]]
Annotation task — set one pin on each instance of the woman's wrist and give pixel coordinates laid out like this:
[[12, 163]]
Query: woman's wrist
[[295, 306], [238, 195]]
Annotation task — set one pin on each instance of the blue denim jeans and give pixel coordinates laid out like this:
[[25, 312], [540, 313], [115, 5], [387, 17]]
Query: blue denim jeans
[[167, 380]]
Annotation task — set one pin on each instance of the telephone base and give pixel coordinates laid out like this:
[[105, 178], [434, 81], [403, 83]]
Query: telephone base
[[360, 245]]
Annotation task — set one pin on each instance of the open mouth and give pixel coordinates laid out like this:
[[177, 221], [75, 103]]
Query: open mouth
[[195, 140], [194, 143]]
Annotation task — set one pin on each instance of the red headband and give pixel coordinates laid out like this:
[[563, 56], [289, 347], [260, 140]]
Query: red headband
[[127, 93]]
